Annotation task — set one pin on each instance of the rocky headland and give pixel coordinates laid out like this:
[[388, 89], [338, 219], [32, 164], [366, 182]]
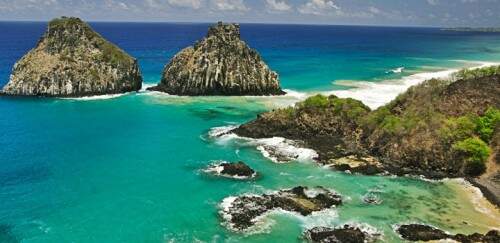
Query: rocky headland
[[72, 60], [219, 64], [241, 213], [438, 129]]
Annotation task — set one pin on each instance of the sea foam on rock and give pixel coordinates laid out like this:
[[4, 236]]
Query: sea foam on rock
[[219, 64], [276, 149], [243, 212], [72, 60]]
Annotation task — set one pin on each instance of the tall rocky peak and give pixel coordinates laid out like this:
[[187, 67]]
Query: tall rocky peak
[[67, 32], [224, 31], [219, 64], [72, 60]]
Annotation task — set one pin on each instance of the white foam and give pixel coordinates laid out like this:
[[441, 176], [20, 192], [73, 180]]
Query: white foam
[[376, 94], [97, 97], [396, 70], [274, 148]]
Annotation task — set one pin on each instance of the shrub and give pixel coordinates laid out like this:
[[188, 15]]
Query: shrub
[[476, 152], [458, 128], [477, 73], [486, 124], [316, 101]]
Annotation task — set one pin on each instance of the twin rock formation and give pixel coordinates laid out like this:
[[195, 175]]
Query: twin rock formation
[[220, 64], [72, 60]]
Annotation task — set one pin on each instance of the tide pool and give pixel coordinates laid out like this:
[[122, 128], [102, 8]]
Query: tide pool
[[128, 168]]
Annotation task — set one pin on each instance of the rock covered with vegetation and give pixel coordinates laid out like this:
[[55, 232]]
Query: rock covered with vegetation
[[242, 212], [72, 60], [220, 64], [438, 128]]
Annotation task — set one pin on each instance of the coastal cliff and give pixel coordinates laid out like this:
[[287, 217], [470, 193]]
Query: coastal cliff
[[220, 64], [438, 128], [72, 60]]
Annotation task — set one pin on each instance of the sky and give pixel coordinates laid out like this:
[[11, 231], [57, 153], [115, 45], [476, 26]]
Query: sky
[[447, 13]]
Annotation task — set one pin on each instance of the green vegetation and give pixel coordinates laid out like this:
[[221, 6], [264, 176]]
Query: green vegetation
[[110, 52], [486, 124], [348, 107], [470, 135], [477, 73], [476, 152], [316, 101]]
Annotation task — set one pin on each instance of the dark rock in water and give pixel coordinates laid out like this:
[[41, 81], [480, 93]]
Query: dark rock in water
[[372, 198], [356, 164], [72, 60], [417, 232], [241, 212], [237, 170], [220, 64], [346, 234]]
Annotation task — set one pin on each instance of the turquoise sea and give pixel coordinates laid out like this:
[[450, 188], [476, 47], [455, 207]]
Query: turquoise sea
[[128, 168]]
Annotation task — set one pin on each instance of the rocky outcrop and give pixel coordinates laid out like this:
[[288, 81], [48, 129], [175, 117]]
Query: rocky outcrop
[[238, 170], [417, 232], [345, 234], [72, 60], [436, 129], [241, 212], [220, 64]]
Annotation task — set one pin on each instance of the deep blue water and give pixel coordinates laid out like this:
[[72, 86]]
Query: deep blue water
[[127, 169]]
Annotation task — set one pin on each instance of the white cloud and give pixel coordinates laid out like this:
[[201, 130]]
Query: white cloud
[[194, 4], [318, 7], [277, 6], [229, 5]]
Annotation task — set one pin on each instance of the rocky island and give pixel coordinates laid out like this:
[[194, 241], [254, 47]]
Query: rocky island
[[220, 64], [241, 213], [72, 60], [437, 129], [237, 170]]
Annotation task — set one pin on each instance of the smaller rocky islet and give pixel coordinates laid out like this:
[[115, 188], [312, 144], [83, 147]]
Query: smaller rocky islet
[[236, 170], [240, 213], [72, 60]]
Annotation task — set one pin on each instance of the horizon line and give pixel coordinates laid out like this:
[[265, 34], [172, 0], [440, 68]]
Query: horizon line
[[259, 23]]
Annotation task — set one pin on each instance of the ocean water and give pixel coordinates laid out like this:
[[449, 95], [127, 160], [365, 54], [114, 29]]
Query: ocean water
[[128, 168]]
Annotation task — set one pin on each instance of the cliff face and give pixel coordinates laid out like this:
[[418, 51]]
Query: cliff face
[[72, 60], [438, 129], [220, 64]]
